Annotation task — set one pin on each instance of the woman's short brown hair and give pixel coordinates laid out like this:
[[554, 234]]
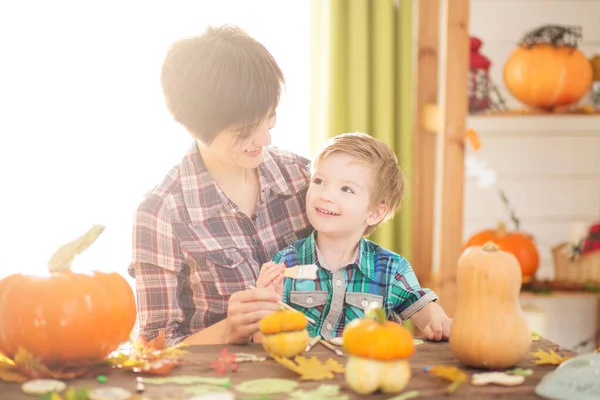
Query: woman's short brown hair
[[219, 80], [388, 179]]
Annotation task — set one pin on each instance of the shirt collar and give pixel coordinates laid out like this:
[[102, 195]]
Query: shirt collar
[[364, 261], [203, 197]]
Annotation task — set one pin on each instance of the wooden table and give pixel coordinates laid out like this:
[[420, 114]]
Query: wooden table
[[428, 353]]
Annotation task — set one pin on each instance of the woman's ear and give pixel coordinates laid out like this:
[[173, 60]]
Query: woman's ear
[[377, 214]]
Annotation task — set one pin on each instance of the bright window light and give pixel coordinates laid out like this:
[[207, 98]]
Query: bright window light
[[84, 132]]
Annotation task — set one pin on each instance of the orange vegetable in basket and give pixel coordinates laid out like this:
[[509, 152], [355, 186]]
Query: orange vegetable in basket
[[66, 318], [518, 243]]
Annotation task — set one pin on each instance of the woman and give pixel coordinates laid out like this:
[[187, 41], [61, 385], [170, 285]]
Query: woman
[[207, 231]]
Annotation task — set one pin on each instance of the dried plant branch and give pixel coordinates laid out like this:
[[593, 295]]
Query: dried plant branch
[[510, 210]]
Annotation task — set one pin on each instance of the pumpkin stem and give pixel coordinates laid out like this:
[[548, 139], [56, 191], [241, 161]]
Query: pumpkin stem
[[375, 311], [490, 246], [63, 257], [556, 35]]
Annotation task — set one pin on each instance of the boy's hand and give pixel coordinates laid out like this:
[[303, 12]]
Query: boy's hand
[[271, 277], [438, 328]]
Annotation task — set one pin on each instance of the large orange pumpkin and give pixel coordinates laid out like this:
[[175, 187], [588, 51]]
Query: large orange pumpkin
[[518, 243], [66, 318], [546, 72]]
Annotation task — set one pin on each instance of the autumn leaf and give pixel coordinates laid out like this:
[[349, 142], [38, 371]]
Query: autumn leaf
[[311, 369], [548, 358], [155, 344], [450, 373], [25, 367], [150, 357], [14, 376]]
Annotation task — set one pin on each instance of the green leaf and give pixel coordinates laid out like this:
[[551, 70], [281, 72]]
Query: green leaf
[[203, 389], [188, 380], [323, 392], [406, 395], [267, 386]]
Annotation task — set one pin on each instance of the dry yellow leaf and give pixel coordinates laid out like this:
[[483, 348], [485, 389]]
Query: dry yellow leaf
[[450, 373], [548, 358], [311, 369]]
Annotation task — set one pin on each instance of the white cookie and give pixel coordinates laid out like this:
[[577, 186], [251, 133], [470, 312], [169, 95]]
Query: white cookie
[[498, 378], [42, 386], [109, 393]]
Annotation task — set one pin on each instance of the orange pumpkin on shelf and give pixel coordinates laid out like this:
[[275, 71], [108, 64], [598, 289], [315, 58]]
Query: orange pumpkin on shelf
[[547, 70], [518, 243], [66, 318], [378, 352]]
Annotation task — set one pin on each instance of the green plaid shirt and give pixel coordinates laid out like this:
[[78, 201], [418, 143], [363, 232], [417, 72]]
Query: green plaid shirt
[[336, 298]]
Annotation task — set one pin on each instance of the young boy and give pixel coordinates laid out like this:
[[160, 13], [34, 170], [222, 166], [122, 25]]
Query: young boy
[[356, 184]]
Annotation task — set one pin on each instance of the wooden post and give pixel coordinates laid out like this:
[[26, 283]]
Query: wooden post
[[425, 140], [451, 154]]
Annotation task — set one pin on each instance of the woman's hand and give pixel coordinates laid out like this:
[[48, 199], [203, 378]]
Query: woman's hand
[[271, 277], [245, 310]]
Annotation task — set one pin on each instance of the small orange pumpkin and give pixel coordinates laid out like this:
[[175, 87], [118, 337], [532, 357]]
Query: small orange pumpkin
[[546, 72], [378, 350], [66, 318], [284, 332], [518, 243]]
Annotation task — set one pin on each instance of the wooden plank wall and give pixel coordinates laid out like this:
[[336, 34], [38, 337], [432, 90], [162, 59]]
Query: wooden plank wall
[[502, 23], [549, 167]]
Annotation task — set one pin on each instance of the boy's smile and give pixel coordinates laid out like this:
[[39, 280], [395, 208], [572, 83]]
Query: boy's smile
[[338, 199]]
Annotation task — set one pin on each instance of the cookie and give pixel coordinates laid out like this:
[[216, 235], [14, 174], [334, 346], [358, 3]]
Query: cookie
[[109, 393], [41, 386]]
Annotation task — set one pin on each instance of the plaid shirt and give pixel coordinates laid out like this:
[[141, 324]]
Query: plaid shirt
[[193, 247], [336, 298]]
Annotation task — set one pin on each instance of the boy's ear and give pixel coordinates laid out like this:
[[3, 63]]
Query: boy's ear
[[377, 214]]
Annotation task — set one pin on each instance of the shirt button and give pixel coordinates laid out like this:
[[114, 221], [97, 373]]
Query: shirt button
[[256, 243], [309, 300], [364, 303], [338, 283], [329, 327]]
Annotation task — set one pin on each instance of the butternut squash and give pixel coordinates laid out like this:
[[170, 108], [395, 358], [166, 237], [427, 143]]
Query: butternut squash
[[489, 328]]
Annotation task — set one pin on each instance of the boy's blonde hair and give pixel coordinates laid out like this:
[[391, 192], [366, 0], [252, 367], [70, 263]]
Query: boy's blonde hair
[[388, 179]]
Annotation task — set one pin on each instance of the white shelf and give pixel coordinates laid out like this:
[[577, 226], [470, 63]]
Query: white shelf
[[565, 124]]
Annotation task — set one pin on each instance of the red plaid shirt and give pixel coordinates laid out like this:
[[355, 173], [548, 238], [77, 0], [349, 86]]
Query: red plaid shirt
[[193, 247]]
